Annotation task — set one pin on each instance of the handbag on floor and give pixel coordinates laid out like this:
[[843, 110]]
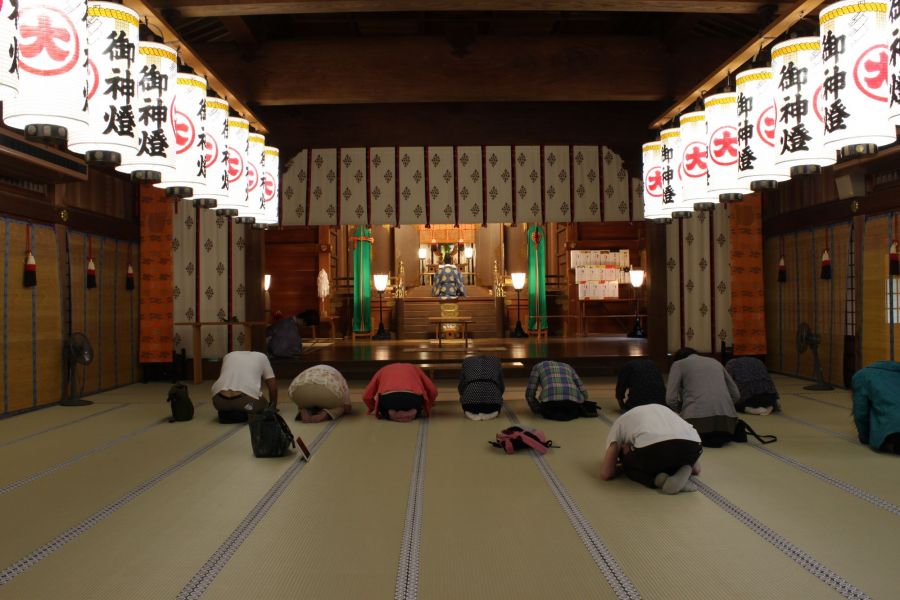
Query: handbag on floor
[[180, 401], [522, 438], [270, 435], [743, 429]]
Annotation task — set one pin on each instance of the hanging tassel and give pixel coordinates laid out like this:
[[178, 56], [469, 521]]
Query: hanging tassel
[[29, 278], [129, 278], [91, 269], [782, 272], [826, 265]]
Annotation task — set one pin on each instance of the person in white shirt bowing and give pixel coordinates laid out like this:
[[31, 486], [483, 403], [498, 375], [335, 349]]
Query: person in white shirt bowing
[[237, 393]]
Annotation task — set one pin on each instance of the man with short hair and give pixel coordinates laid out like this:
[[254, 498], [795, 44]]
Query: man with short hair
[[238, 390]]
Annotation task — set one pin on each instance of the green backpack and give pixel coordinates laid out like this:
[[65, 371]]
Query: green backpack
[[270, 435]]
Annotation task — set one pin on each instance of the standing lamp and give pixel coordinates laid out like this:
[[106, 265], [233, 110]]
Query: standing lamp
[[422, 254], [267, 283], [381, 282], [518, 281], [637, 280], [469, 252]]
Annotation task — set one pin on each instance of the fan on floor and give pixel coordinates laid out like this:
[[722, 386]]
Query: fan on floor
[[806, 338], [77, 351]]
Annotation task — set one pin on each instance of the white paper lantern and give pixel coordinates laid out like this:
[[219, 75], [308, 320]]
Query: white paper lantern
[[112, 53], [255, 209], [854, 36], [270, 185], [214, 188], [694, 158], [187, 120], [156, 70], [653, 182], [893, 14], [800, 134], [721, 123], [53, 69], [671, 175], [9, 51], [235, 168], [756, 128]]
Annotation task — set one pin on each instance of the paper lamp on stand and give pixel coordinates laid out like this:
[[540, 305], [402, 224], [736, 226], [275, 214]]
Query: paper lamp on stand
[[518, 281], [637, 280], [381, 281], [324, 288]]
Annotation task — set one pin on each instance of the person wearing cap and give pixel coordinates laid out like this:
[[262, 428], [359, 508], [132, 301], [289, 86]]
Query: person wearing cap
[[400, 392]]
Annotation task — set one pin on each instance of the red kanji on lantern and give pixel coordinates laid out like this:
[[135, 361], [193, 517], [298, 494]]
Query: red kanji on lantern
[[765, 125], [871, 72], [235, 165], [49, 43], [694, 162], [724, 146], [653, 185]]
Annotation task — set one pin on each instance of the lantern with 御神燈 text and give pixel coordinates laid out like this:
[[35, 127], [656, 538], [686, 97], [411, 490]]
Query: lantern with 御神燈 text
[[271, 187], [256, 145], [214, 188], [756, 128], [653, 182], [187, 118], [694, 158], [671, 174], [235, 168], [721, 125], [9, 51]]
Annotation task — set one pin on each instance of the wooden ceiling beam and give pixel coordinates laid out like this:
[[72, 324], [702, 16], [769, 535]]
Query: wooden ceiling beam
[[219, 8], [799, 10]]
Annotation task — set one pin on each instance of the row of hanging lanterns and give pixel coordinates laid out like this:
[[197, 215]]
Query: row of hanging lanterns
[[82, 72], [837, 94]]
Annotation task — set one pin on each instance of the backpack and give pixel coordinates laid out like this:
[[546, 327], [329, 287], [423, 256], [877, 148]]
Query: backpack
[[270, 435], [522, 438], [182, 407]]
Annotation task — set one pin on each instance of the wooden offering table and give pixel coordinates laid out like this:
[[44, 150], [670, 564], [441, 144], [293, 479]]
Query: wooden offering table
[[456, 320]]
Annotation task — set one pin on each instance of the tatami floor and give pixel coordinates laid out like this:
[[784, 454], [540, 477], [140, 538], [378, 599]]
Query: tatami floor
[[110, 501]]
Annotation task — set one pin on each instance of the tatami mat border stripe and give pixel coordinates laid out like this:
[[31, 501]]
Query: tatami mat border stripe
[[819, 428], [203, 578], [22, 565], [408, 569], [61, 425], [841, 485], [809, 563], [820, 401], [620, 583]]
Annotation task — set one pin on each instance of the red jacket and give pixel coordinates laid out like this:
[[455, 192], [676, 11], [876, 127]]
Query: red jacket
[[400, 377]]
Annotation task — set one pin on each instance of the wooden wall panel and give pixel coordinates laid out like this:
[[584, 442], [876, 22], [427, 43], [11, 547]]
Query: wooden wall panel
[[790, 307], [19, 301], [4, 320], [107, 283], [102, 193], [875, 338], [48, 306], [774, 291], [806, 304], [838, 249], [92, 315], [124, 317], [76, 272]]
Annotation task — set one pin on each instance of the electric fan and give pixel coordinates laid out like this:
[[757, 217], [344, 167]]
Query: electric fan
[[807, 339], [77, 351]]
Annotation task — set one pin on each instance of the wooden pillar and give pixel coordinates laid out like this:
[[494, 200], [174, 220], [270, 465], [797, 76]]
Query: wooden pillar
[[655, 294], [254, 270]]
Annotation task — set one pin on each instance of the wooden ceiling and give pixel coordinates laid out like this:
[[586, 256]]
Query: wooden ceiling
[[394, 72]]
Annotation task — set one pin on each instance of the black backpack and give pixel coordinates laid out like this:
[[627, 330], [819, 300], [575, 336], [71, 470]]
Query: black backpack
[[270, 435], [182, 407]]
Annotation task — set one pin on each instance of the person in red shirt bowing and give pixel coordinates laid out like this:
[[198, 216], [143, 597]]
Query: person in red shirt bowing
[[400, 392]]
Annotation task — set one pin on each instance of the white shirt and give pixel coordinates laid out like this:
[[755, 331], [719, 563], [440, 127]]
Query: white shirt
[[650, 424], [243, 371]]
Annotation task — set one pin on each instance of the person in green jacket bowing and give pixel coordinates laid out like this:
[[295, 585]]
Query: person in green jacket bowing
[[876, 405]]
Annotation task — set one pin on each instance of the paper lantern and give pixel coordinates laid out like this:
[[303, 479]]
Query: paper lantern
[[156, 70], [671, 175], [214, 188], [800, 133], [9, 51], [653, 182], [721, 125], [235, 170], [53, 70], [270, 186], [694, 159], [756, 128], [112, 47], [255, 208], [855, 82], [187, 126]]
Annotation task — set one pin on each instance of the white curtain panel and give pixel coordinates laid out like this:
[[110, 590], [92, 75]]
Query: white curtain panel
[[673, 285], [213, 282], [615, 187], [637, 199], [697, 283], [352, 168], [721, 234], [383, 185], [527, 165], [557, 184], [323, 207], [239, 285], [412, 185], [184, 273], [499, 184], [470, 184], [586, 172], [441, 171], [294, 187]]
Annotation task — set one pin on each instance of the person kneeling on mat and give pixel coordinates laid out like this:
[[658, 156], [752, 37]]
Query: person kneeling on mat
[[238, 391], [704, 394], [555, 392], [481, 387], [320, 393], [876, 405], [400, 392], [758, 393], [656, 447]]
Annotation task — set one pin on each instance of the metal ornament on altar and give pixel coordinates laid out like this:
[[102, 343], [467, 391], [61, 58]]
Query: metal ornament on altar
[[255, 207], [235, 168], [756, 127], [800, 133], [721, 123], [271, 184], [187, 119], [156, 70], [9, 51], [671, 175], [653, 183], [52, 68], [856, 81], [112, 38], [694, 159], [214, 188]]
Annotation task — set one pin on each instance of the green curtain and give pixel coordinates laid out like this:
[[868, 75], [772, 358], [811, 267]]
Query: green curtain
[[362, 277], [537, 278]]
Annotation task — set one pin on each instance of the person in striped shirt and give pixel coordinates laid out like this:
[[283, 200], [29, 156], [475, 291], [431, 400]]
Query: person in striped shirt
[[555, 391]]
